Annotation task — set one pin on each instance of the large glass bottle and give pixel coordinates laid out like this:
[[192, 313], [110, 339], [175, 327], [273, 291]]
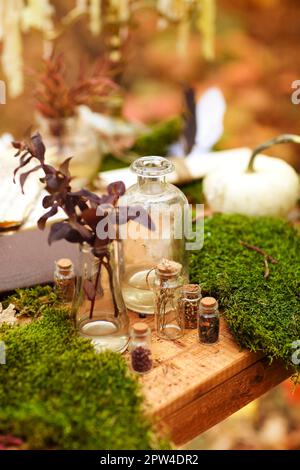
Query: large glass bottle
[[145, 247], [98, 308]]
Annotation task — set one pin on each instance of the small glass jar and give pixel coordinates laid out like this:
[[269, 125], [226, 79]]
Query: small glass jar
[[140, 348], [98, 307], [144, 248], [189, 304], [167, 284], [209, 321], [64, 280]]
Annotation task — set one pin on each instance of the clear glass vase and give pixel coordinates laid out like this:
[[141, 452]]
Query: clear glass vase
[[70, 137], [145, 247], [98, 307]]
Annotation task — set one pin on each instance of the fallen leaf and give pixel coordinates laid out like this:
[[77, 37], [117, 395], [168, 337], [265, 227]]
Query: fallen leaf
[[8, 315]]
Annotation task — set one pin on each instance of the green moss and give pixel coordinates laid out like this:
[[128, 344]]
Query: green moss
[[194, 191], [57, 392], [263, 314], [157, 141], [153, 142], [31, 302], [112, 163]]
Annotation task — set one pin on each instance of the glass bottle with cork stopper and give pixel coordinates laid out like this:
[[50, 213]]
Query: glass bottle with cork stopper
[[167, 284], [140, 348], [209, 321], [189, 304], [64, 280]]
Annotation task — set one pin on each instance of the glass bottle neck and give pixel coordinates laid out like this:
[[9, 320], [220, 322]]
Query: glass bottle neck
[[152, 185]]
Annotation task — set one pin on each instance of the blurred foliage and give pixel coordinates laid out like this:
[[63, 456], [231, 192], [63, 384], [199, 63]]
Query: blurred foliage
[[257, 50], [157, 141], [194, 191]]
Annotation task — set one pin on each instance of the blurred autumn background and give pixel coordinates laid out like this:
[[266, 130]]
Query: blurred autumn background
[[257, 59]]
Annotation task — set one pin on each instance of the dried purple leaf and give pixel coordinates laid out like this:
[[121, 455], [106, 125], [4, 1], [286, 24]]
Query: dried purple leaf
[[64, 167], [59, 231], [117, 188], [24, 176], [42, 220]]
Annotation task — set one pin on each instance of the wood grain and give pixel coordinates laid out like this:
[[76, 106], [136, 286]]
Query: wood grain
[[193, 386]]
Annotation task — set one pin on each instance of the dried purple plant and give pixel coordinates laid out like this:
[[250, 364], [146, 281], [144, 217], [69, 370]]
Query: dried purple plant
[[56, 98], [83, 209]]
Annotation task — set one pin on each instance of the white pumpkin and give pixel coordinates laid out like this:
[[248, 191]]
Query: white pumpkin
[[268, 186]]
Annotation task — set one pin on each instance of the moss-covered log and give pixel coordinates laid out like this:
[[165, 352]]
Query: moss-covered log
[[263, 314]]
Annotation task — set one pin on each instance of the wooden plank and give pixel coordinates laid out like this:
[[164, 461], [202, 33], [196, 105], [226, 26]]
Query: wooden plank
[[193, 386], [223, 400]]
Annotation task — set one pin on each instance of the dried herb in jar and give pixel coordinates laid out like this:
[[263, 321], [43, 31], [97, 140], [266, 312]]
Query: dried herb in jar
[[64, 280], [140, 348], [189, 304], [209, 321]]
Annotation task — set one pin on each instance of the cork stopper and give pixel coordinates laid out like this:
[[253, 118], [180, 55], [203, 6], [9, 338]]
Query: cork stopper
[[191, 291], [209, 303], [168, 268], [64, 266], [140, 328]]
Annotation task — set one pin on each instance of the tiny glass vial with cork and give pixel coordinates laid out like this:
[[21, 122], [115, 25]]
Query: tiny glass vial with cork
[[209, 321], [140, 348], [189, 304], [64, 280], [167, 284]]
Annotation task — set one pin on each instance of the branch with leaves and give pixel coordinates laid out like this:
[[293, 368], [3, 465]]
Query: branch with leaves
[[84, 210], [56, 98]]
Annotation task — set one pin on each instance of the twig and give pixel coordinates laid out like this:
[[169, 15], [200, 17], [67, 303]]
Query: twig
[[260, 251], [267, 258], [267, 269], [96, 284]]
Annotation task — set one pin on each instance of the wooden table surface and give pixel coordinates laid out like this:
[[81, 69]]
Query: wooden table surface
[[193, 386]]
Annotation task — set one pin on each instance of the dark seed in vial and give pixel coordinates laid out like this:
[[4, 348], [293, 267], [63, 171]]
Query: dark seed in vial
[[141, 359], [209, 330]]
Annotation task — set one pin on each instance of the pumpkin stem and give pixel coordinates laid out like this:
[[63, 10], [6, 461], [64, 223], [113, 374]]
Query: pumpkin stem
[[280, 139]]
